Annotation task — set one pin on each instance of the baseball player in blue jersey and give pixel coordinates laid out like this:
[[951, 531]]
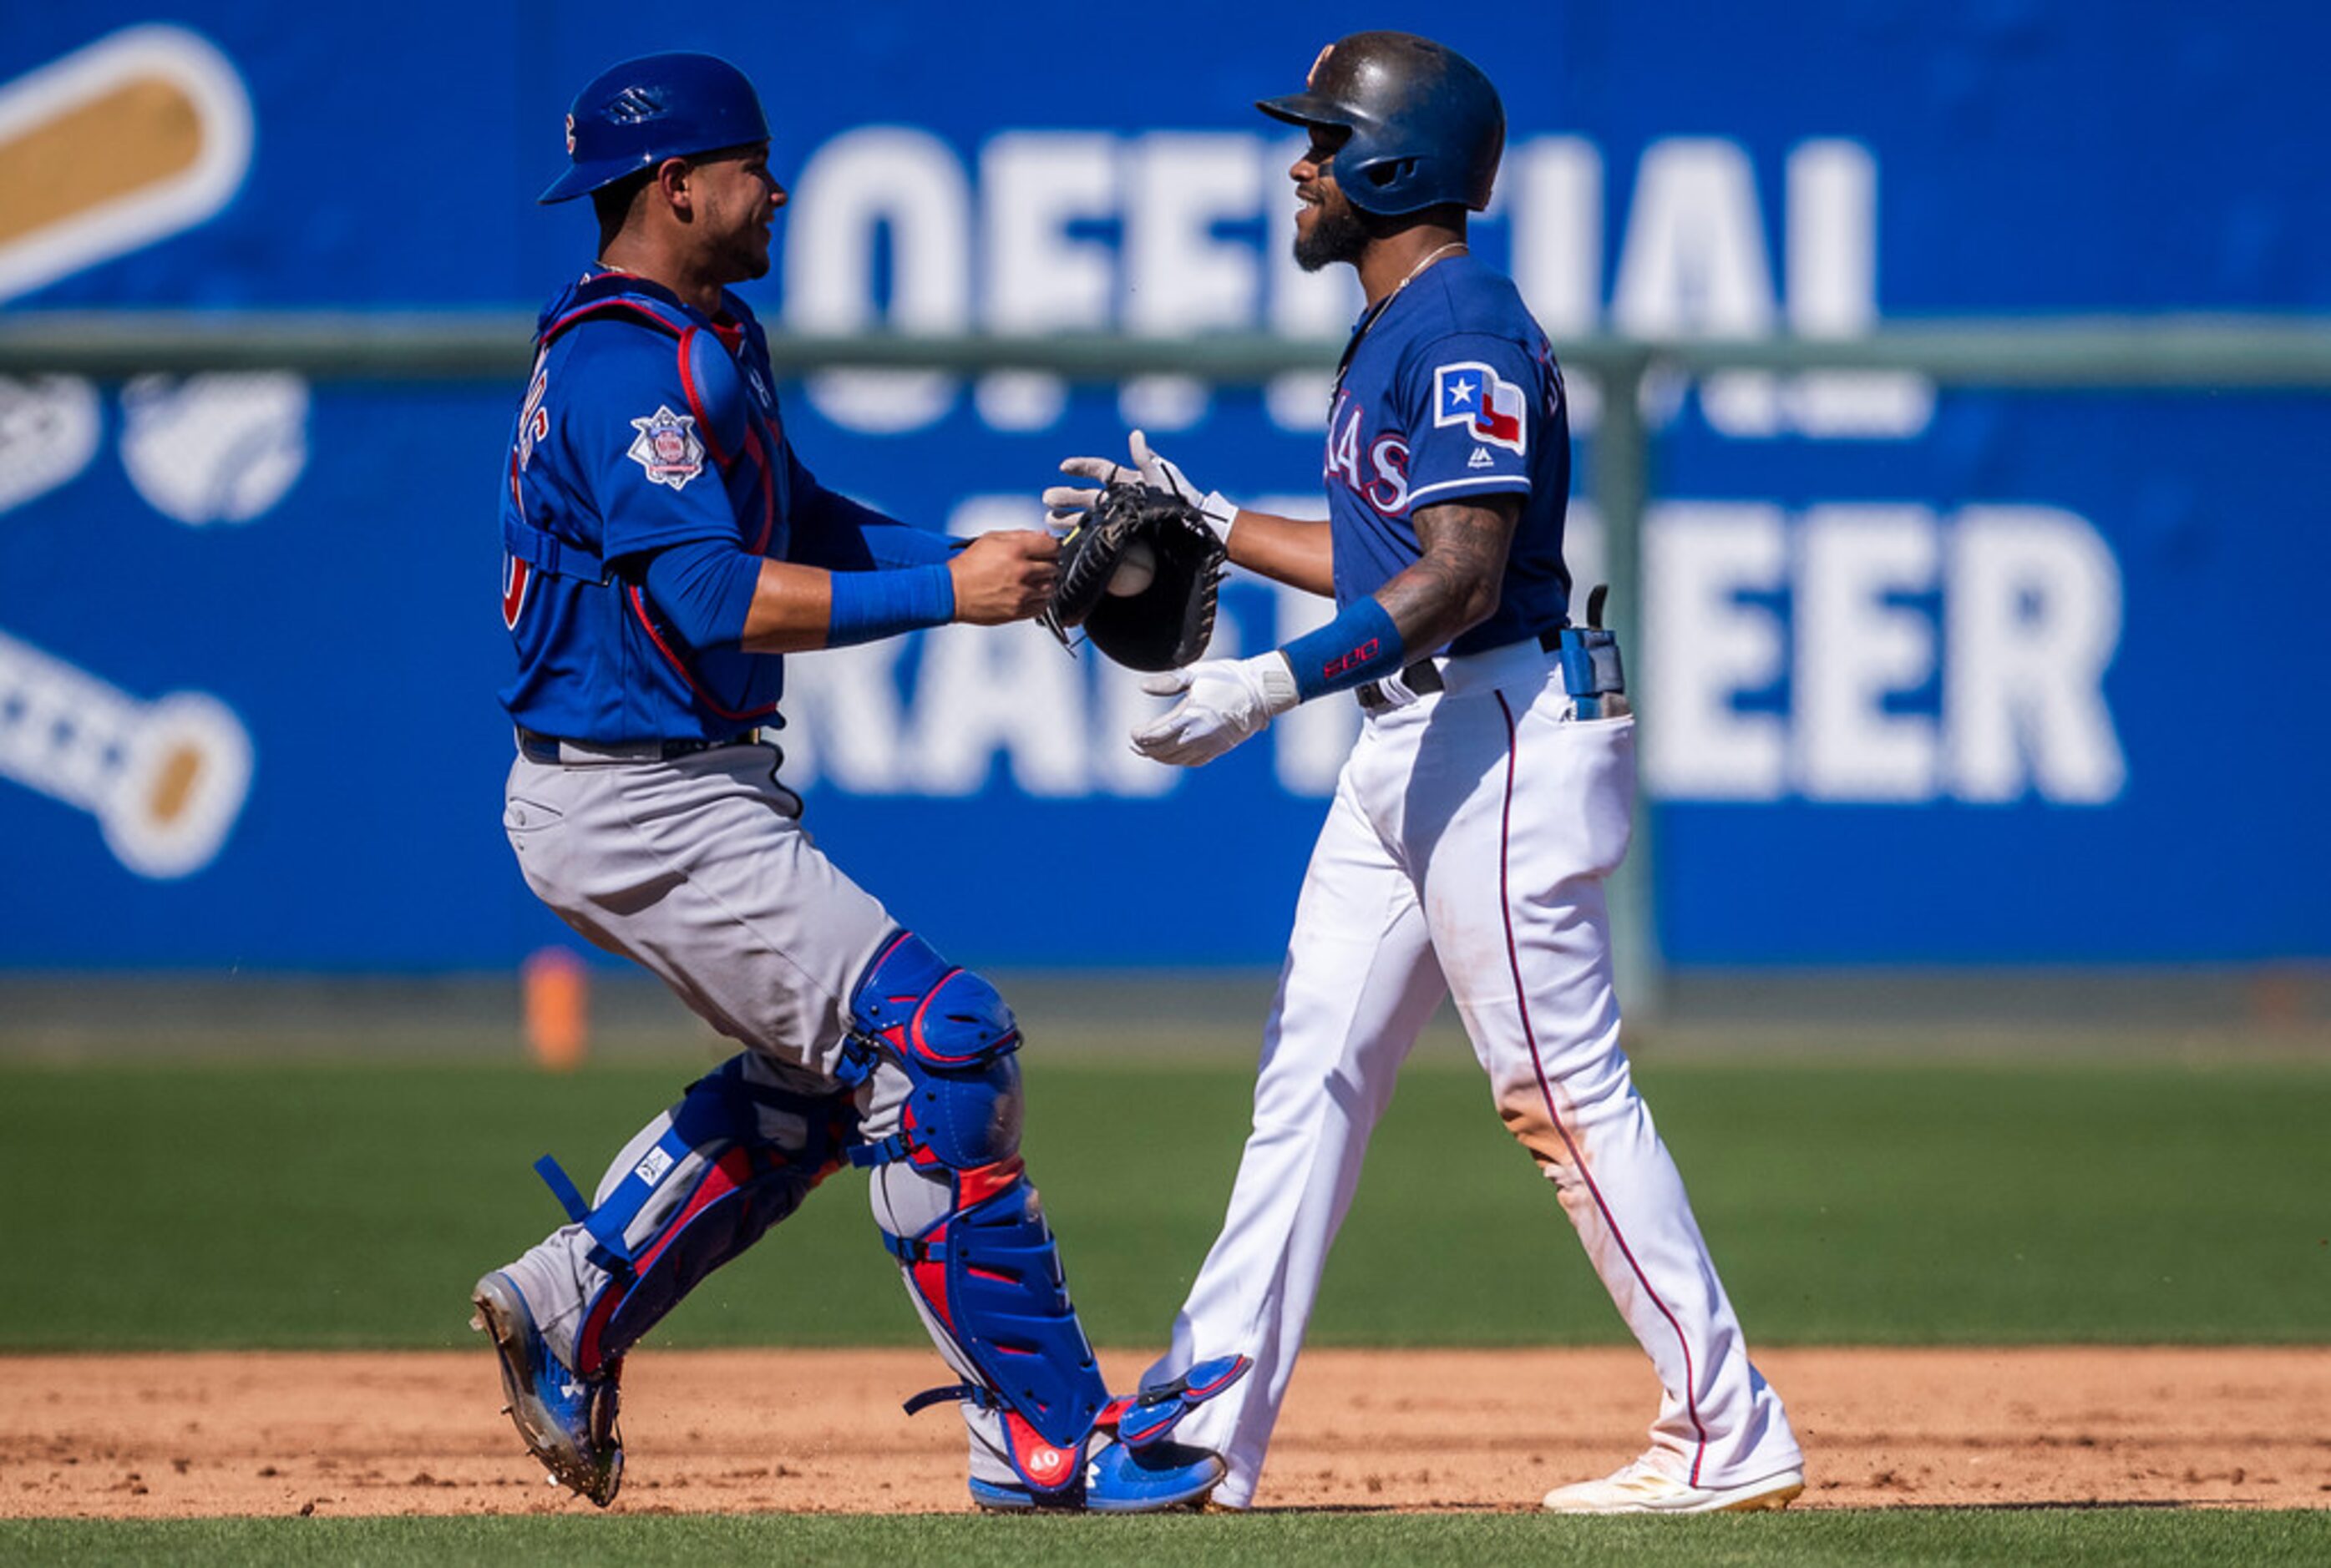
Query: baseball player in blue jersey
[[1486, 802], [663, 544]]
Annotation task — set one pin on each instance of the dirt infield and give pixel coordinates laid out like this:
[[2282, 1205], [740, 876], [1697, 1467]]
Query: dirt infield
[[143, 1436]]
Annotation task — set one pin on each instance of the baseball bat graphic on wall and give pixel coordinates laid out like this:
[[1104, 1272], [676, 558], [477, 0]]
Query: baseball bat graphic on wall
[[165, 780], [134, 137]]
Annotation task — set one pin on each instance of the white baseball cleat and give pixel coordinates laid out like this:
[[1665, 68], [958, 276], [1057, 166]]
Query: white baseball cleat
[[1639, 1488]]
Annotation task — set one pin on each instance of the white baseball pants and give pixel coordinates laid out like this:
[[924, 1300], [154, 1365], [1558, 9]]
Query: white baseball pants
[[1465, 854]]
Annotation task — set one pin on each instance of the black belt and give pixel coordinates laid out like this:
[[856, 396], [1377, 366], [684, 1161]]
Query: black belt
[[1423, 678], [552, 750], [1590, 671]]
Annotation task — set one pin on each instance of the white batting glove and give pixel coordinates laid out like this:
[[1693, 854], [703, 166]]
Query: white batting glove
[[1224, 702], [1065, 505], [1162, 474]]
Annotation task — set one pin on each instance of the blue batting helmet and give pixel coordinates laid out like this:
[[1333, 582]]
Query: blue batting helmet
[[633, 116], [1425, 125]]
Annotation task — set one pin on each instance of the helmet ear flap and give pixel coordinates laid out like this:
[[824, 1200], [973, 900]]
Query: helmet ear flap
[[1390, 172]]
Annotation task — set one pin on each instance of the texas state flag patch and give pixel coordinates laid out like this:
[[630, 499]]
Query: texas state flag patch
[[1471, 394]]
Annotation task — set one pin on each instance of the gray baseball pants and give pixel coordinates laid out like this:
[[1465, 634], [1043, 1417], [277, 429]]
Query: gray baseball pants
[[699, 869]]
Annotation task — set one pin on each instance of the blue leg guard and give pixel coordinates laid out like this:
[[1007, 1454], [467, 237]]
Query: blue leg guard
[[987, 1271], [738, 1155]]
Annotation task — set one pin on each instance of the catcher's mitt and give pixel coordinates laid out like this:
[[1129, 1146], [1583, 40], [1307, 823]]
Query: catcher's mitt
[[1166, 624]]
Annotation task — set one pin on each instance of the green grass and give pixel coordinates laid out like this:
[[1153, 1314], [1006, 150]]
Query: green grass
[[1956, 1536], [165, 1206]]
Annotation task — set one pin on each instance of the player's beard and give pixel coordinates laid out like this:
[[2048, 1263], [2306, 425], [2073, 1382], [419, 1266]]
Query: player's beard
[[1337, 233]]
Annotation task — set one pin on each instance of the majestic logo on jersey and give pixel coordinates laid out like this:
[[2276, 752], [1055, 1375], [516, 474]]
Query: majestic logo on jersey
[[667, 447], [1471, 394]]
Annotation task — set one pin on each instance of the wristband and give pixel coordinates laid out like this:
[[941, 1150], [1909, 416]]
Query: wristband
[[1221, 514], [868, 605], [1360, 644]]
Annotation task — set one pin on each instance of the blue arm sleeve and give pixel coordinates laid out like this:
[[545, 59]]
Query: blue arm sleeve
[[832, 531], [869, 605], [1359, 645], [705, 590], [896, 544]]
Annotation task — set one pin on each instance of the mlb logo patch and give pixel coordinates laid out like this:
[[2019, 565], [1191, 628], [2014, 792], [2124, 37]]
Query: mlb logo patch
[[667, 447], [1489, 408]]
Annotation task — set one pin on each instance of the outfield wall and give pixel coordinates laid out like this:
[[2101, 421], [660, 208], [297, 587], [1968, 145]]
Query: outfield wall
[[1932, 676]]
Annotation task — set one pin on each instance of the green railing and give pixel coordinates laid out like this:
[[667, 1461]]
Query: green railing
[[2162, 353]]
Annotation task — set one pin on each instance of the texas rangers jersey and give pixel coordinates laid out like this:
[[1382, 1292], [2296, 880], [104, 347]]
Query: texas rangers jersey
[[1451, 392], [648, 424]]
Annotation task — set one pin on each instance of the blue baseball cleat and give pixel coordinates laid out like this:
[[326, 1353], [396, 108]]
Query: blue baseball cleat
[[1123, 1479], [1136, 1470], [1118, 1479], [567, 1421]]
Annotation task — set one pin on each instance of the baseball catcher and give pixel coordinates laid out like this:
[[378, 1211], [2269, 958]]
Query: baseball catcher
[[666, 551]]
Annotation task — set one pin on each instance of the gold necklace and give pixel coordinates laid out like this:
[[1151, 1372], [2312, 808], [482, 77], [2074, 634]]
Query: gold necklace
[[1430, 258], [1376, 311]]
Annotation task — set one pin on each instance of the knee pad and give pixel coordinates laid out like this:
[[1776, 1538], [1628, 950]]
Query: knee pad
[[987, 1271], [736, 1156], [956, 1041]]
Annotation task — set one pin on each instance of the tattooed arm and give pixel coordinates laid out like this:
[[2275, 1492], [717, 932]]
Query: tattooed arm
[[1452, 587]]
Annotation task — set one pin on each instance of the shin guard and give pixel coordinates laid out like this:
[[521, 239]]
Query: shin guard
[[735, 1155], [987, 1271]]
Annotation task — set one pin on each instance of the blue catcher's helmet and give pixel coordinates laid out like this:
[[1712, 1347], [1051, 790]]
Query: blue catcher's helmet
[[1426, 127], [633, 116]]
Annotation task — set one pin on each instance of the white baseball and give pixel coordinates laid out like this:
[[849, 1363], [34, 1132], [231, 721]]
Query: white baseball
[[1136, 570], [220, 447]]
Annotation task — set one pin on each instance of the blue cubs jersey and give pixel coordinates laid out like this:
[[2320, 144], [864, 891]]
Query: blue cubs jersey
[[648, 424], [1449, 393]]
